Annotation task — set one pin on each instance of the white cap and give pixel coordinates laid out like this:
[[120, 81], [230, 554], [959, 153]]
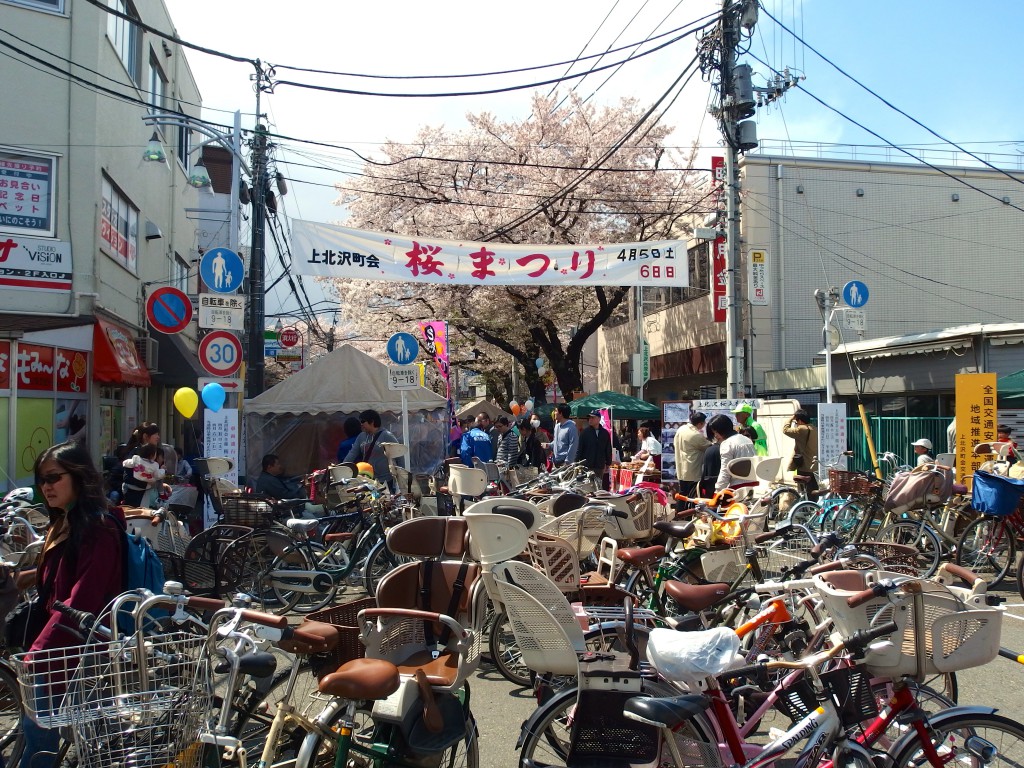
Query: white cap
[[924, 442]]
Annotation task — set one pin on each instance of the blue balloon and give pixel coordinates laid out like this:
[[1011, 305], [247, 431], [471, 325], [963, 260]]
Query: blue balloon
[[540, 362], [214, 396]]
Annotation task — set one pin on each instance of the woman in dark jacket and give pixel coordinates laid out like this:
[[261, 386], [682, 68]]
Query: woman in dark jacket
[[80, 564]]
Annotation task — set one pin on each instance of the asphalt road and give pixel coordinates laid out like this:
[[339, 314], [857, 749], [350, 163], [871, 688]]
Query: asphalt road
[[500, 708]]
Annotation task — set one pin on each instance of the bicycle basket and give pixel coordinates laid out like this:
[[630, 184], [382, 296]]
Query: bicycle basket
[[937, 631], [344, 619], [850, 483], [246, 510], [600, 732], [995, 494], [849, 687]]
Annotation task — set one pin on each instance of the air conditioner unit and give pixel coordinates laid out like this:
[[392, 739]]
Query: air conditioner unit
[[148, 350]]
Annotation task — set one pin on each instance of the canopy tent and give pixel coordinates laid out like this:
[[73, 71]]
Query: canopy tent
[[301, 419], [1011, 387], [482, 405], [622, 406]]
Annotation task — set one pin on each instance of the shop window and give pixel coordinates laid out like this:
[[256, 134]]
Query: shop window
[[892, 406], [126, 37], [184, 145], [180, 273], [923, 405], [57, 6]]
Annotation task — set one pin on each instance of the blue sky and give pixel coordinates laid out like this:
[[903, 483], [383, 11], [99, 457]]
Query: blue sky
[[952, 65]]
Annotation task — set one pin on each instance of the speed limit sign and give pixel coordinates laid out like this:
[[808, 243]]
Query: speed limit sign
[[220, 353]]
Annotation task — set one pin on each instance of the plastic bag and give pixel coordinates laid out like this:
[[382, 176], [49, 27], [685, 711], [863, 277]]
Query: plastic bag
[[691, 656]]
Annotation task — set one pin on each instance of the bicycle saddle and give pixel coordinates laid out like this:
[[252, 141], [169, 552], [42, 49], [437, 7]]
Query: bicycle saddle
[[362, 680], [301, 525], [666, 713], [675, 529], [641, 556], [695, 597]]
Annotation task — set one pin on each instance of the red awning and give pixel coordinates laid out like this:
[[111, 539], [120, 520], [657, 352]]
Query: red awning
[[115, 360]]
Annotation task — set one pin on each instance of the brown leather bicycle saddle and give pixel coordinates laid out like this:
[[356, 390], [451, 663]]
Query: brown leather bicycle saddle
[[695, 597]]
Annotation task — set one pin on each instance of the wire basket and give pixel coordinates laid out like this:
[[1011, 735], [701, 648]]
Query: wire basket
[[937, 631], [849, 687], [344, 619], [851, 483], [114, 680], [246, 510]]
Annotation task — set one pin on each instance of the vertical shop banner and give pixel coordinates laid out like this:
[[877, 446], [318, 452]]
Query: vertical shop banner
[[72, 371], [435, 333], [719, 275], [757, 277], [976, 420], [832, 437], [674, 416], [220, 438], [34, 435]]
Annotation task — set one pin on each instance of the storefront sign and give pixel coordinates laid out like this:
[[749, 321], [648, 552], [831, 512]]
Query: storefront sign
[[719, 274], [34, 264], [5, 365], [27, 201], [976, 420], [757, 277], [72, 371], [327, 250], [36, 367]]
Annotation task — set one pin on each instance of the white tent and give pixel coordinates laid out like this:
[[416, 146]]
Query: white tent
[[484, 405], [301, 418]]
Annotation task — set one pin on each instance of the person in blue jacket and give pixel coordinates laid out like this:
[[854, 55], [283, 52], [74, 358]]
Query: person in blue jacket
[[476, 443]]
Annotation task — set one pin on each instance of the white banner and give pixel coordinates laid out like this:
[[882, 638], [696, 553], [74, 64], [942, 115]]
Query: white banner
[[757, 277], [220, 438], [831, 437], [326, 250]]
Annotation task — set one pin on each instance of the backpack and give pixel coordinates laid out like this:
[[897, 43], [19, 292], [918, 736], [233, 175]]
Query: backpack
[[140, 569]]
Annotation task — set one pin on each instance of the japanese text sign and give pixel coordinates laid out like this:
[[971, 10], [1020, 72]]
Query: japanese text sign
[[976, 420], [831, 436], [32, 264], [757, 277], [36, 366], [5, 365], [719, 269], [326, 250], [26, 194], [220, 437], [72, 371]]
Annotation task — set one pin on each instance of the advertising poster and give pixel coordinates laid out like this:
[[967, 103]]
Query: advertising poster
[[220, 436], [674, 415]]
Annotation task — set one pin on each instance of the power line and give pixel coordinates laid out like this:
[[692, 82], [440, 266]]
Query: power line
[[579, 56]]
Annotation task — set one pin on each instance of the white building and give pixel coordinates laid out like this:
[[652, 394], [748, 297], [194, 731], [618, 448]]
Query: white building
[[86, 227], [936, 247]]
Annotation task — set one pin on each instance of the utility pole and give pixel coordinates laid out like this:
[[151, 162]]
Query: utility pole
[[256, 363]]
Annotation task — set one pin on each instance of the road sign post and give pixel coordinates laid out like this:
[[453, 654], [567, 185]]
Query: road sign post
[[220, 353], [403, 378]]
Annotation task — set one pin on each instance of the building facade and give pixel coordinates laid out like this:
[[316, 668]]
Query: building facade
[[937, 247], [87, 228]]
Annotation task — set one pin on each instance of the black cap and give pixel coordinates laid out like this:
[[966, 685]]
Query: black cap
[[596, 413]]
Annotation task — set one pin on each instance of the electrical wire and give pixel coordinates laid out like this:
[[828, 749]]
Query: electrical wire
[[579, 56], [888, 103]]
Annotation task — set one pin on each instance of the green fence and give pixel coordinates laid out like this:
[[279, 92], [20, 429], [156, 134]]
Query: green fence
[[894, 433]]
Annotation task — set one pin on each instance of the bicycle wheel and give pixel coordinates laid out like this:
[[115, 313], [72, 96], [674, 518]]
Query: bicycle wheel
[[11, 738], [988, 547], [505, 653], [781, 503], [639, 585], [844, 519], [967, 739], [301, 559], [920, 537], [245, 567], [379, 563], [806, 513]]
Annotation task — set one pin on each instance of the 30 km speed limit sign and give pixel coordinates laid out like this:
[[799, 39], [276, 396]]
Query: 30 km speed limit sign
[[220, 353]]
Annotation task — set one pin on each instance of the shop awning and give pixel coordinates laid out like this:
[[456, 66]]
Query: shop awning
[[115, 360]]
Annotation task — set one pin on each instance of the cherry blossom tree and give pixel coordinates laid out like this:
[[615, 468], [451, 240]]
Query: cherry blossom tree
[[479, 184]]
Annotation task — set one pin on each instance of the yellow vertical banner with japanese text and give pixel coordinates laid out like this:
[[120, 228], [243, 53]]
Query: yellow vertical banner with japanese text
[[976, 420]]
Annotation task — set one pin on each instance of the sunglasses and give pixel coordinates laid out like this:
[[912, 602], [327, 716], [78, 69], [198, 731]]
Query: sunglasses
[[52, 478]]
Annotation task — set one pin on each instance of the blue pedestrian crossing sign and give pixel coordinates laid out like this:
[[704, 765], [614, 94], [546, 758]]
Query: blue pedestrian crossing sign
[[403, 348], [855, 294], [222, 270]]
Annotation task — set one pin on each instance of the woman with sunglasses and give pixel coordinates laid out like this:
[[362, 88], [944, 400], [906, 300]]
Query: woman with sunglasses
[[80, 564]]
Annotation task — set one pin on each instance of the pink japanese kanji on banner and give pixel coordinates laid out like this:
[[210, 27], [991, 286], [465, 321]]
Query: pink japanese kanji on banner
[[327, 250]]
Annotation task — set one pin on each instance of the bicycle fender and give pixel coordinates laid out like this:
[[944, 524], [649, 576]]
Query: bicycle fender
[[531, 722], [323, 720], [939, 719]]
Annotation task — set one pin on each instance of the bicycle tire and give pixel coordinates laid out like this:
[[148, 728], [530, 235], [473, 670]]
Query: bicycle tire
[[12, 741], [316, 752], [547, 743], [960, 732], [298, 558], [921, 537], [988, 548], [379, 562], [806, 513], [246, 563], [844, 519], [640, 586], [504, 651], [781, 503]]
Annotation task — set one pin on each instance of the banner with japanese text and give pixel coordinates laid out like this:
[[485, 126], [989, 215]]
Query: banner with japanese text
[[832, 437], [976, 420], [327, 250], [435, 333], [220, 438], [719, 269]]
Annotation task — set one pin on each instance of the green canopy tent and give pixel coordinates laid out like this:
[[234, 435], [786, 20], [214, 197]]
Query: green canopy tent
[[622, 406], [1011, 387]]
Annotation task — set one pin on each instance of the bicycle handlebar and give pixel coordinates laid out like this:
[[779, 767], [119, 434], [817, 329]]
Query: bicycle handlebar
[[266, 619], [875, 590]]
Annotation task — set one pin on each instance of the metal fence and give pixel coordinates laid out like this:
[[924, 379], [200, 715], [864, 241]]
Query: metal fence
[[894, 433]]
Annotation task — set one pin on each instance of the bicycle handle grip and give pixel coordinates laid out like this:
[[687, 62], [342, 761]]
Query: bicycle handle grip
[[1006, 653], [266, 619], [835, 565], [761, 538], [876, 590], [858, 641], [681, 497], [204, 603], [969, 577], [83, 619]]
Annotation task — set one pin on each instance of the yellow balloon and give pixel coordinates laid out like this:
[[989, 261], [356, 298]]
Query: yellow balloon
[[186, 401]]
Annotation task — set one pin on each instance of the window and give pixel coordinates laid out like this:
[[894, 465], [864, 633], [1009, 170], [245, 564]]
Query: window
[[119, 227], [180, 273], [126, 37], [57, 6], [184, 145], [157, 84]]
